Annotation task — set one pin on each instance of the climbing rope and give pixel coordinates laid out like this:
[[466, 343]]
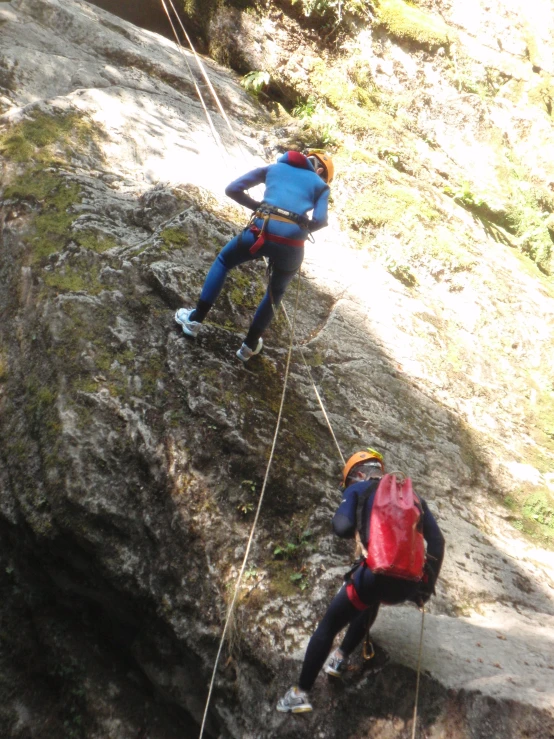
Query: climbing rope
[[414, 726], [217, 137], [206, 77], [316, 391], [292, 328], [222, 110], [252, 530]]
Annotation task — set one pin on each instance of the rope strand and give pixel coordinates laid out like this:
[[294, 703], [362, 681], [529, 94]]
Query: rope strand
[[217, 137], [251, 537], [414, 723]]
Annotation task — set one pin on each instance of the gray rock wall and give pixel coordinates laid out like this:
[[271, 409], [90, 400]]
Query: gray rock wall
[[132, 458]]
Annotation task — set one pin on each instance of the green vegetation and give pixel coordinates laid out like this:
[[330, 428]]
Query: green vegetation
[[256, 82], [525, 215], [332, 11], [173, 238], [46, 138], [409, 23], [43, 143], [528, 221], [75, 279], [242, 291], [533, 515], [95, 242], [542, 94], [295, 549], [51, 227], [386, 203], [539, 507]]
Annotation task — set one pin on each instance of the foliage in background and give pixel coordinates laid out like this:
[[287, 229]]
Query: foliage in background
[[409, 23], [255, 82], [334, 9]]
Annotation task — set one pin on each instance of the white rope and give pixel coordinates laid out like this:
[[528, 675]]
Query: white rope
[[414, 726], [206, 77], [292, 326], [250, 539], [215, 134], [318, 396]]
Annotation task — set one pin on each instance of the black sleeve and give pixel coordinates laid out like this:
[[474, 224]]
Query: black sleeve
[[344, 520], [435, 540]]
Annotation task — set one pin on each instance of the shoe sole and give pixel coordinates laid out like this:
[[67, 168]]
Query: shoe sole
[[296, 709], [333, 673]]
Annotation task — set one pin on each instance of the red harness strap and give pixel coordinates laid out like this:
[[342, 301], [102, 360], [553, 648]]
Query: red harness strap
[[260, 232], [354, 598]]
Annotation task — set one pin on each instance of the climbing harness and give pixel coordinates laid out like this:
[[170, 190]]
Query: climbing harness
[[280, 214], [271, 213]]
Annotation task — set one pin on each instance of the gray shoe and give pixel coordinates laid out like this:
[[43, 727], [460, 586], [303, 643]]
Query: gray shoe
[[245, 352], [337, 664], [190, 328], [294, 701]]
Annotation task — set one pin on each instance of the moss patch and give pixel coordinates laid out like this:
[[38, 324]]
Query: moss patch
[[48, 138], [389, 204], [174, 238], [532, 513], [95, 242], [44, 142], [75, 279], [51, 227], [409, 23]]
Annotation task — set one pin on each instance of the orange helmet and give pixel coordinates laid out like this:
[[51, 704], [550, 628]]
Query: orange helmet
[[326, 162], [359, 457]]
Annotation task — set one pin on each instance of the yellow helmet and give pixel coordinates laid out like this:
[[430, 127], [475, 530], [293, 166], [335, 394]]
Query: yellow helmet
[[359, 457], [326, 162]]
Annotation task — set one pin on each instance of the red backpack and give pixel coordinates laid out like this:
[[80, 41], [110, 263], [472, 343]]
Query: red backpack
[[396, 546]]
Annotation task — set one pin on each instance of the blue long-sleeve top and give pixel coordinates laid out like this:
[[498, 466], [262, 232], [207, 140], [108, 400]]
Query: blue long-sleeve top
[[345, 521], [292, 184]]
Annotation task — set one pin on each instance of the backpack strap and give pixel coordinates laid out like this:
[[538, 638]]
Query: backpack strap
[[360, 505]]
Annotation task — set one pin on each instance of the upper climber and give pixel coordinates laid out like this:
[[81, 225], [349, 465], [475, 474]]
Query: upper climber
[[295, 185]]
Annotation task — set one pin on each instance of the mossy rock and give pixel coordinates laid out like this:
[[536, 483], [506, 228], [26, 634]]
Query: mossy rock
[[384, 203], [408, 23], [49, 138]]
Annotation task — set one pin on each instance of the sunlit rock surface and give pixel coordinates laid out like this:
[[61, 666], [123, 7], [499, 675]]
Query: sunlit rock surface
[[132, 458]]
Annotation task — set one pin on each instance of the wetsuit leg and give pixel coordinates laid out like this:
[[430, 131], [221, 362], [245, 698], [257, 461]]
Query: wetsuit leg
[[339, 614], [358, 628], [266, 310], [234, 253]]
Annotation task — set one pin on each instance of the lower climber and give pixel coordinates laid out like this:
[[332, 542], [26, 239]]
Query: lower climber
[[357, 602]]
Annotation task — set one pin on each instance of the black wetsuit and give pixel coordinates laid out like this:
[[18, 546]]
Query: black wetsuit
[[357, 603]]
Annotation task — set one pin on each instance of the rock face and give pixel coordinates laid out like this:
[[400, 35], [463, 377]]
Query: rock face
[[132, 459]]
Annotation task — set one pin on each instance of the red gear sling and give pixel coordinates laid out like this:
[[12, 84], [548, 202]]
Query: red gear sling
[[396, 545]]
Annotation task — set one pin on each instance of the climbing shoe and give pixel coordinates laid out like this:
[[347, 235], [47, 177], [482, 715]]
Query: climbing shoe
[[294, 701], [190, 328], [245, 352], [337, 664]]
